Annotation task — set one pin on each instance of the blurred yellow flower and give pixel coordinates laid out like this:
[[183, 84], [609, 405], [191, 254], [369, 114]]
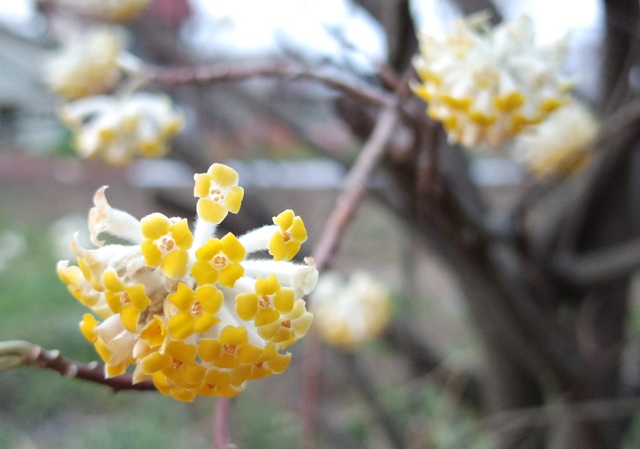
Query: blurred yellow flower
[[350, 312], [559, 146], [86, 65], [487, 85], [118, 130]]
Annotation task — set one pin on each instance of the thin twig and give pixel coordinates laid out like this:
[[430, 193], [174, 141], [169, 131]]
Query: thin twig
[[355, 186], [209, 75], [345, 207], [22, 353]]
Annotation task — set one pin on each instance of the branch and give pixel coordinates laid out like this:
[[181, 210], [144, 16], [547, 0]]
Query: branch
[[355, 186], [598, 266], [210, 75], [597, 410], [22, 353]]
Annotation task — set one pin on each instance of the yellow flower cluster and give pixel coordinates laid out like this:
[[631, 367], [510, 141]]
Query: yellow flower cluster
[[487, 85], [194, 313], [350, 312], [117, 130], [85, 66], [560, 146], [86, 71]]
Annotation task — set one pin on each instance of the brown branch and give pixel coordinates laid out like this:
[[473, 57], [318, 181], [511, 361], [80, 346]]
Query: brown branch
[[354, 187], [367, 93], [346, 205], [23, 353]]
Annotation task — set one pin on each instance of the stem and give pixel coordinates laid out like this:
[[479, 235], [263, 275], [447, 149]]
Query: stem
[[221, 424], [346, 205], [354, 187], [22, 353], [209, 75]]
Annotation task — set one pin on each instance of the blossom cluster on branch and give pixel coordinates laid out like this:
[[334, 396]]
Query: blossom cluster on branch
[[194, 312]]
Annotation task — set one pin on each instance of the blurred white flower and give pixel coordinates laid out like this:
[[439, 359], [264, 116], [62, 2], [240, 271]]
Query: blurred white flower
[[487, 85], [559, 146], [349, 312], [86, 65], [117, 130]]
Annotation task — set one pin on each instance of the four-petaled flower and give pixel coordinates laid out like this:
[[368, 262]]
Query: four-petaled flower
[[289, 328], [166, 244], [197, 310], [285, 243], [219, 193], [126, 300], [267, 303], [219, 261]]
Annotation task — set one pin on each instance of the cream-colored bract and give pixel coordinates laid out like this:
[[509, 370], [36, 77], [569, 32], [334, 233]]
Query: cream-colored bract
[[196, 314]]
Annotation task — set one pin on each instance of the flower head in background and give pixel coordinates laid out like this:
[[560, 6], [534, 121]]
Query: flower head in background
[[350, 312], [117, 130], [486, 85], [117, 11], [196, 314], [87, 65], [559, 146]]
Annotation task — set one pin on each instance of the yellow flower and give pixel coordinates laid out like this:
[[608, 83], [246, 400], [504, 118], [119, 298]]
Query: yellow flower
[[126, 300], [166, 244], [487, 85], [270, 362], [177, 363], [197, 310], [285, 244], [219, 261], [289, 328], [218, 192], [267, 303], [231, 350]]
